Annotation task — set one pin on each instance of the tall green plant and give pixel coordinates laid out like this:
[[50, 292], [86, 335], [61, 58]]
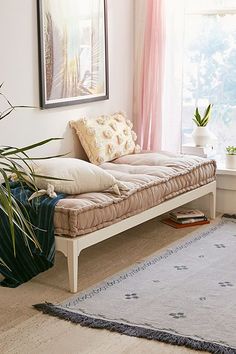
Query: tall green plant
[[15, 165]]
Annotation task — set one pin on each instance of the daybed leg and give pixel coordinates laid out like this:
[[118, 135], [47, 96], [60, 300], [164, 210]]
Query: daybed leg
[[212, 201], [73, 263]]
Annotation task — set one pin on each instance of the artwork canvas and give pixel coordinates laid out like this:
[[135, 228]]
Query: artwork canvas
[[73, 55]]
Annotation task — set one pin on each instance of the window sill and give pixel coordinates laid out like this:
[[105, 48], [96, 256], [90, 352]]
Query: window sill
[[226, 180], [221, 170]]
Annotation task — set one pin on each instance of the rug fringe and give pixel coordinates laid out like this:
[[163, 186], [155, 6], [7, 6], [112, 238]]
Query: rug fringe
[[134, 331], [229, 216]]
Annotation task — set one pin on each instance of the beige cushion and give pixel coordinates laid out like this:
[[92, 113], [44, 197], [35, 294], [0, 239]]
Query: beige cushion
[[83, 176], [106, 138]]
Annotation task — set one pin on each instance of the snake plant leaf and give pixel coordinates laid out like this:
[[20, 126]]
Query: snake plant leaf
[[196, 121], [198, 116], [204, 121], [208, 111]]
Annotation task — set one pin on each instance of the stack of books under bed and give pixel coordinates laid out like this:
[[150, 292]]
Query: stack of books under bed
[[185, 218]]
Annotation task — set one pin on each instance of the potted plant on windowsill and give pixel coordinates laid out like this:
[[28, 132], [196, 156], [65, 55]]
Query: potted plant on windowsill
[[230, 161], [201, 134]]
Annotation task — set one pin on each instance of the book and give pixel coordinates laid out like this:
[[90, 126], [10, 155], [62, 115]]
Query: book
[[188, 149], [188, 220], [182, 220], [186, 214], [202, 151], [176, 225]]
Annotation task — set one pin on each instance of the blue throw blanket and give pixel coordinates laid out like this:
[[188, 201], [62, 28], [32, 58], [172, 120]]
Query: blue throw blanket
[[25, 265]]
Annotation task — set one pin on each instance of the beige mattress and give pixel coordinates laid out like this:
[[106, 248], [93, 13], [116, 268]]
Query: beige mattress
[[151, 178]]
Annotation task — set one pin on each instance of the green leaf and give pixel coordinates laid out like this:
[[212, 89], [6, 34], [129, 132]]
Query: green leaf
[[7, 201], [196, 121], [4, 264], [205, 121], [197, 116], [14, 160], [208, 111]]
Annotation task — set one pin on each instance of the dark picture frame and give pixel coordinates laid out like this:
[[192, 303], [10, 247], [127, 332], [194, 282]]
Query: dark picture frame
[[73, 52]]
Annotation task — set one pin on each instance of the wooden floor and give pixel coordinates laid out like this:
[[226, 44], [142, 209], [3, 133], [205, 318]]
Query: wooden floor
[[23, 330]]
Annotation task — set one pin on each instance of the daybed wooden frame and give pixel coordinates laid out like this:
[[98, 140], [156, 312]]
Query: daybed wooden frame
[[71, 247]]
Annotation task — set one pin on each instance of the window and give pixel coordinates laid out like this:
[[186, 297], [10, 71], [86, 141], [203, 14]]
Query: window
[[209, 69]]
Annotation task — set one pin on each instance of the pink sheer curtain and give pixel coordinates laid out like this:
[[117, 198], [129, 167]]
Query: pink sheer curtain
[[148, 83]]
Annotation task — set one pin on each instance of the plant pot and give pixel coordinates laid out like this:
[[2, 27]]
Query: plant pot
[[202, 136], [230, 162]]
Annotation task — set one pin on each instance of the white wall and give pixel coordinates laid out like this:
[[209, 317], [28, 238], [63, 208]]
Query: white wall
[[19, 71], [225, 194]]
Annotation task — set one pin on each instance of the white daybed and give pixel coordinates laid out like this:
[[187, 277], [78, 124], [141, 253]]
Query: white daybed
[[156, 183]]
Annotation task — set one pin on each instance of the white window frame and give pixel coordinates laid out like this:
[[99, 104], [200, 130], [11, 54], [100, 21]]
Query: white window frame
[[203, 11]]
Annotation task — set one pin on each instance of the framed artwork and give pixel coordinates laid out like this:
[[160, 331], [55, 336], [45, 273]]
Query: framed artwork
[[73, 55]]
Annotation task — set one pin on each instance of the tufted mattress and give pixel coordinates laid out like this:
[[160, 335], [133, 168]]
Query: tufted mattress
[[150, 178]]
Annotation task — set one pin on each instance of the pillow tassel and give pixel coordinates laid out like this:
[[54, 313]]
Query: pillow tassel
[[49, 191], [115, 189]]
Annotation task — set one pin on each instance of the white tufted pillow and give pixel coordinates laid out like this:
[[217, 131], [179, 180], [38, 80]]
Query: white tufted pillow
[[83, 176], [106, 138]]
